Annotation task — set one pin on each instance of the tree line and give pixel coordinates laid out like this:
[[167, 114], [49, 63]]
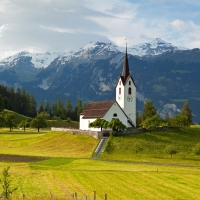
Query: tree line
[[18, 101], [22, 102], [59, 110], [150, 119]]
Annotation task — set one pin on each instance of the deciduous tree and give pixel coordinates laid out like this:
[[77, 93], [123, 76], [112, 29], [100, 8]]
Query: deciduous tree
[[39, 122], [10, 120], [99, 123]]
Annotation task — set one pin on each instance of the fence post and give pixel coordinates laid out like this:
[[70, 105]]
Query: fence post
[[105, 197], [94, 195]]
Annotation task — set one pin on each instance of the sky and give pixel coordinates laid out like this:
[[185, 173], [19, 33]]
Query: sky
[[68, 25]]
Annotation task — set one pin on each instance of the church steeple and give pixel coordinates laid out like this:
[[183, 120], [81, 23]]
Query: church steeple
[[125, 71]]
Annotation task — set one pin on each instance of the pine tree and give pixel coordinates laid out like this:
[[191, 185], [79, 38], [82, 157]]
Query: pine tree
[[40, 108], [1, 103], [47, 108], [69, 109], [149, 110], [187, 112]]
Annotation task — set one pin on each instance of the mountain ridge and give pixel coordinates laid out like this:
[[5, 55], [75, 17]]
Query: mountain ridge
[[90, 74]]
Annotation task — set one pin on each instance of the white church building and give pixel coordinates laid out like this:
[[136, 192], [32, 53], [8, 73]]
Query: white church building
[[123, 107]]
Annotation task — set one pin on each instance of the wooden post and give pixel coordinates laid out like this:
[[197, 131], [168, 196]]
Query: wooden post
[[94, 195], [105, 197], [86, 198]]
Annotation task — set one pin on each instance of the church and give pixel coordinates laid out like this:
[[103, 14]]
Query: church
[[123, 107]]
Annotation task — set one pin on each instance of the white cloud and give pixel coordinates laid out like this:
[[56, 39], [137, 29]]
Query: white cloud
[[64, 25]]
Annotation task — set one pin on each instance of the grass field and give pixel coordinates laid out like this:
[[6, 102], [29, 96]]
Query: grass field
[[69, 167]]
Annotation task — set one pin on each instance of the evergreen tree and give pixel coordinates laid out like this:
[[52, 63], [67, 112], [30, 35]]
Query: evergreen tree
[[54, 108], [138, 119], [47, 108], [2, 120], [78, 109], [61, 109], [32, 107], [149, 110], [40, 108], [69, 109], [1, 103], [187, 112]]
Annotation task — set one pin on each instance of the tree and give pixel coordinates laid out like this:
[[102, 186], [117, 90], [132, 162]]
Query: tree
[[138, 118], [179, 121], [39, 122], [187, 111], [6, 184], [99, 123], [40, 108], [10, 120], [196, 149], [116, 124], [1, 103], [69, 109], [2, 120], [171, 149], [149, 110], [24, 124], [47, 108], [152, 122]]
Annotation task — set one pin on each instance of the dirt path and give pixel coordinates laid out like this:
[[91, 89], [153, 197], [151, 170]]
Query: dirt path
[[16, 158]]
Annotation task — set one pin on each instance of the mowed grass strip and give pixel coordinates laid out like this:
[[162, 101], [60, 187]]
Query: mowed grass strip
[[153, 147], [118, 180], [47, 144]]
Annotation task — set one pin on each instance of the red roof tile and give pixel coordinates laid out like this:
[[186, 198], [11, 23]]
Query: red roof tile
[[97, 109]]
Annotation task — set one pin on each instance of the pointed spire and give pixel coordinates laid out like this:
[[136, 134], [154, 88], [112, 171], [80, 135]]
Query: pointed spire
[[125, 71]]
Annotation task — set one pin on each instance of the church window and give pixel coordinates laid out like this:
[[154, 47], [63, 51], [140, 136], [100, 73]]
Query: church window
[[115, 115], [129, 90], [119, 90], [129, 82], [120, 82]]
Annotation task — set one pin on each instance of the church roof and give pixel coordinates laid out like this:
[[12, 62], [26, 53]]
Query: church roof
[[97, 109]]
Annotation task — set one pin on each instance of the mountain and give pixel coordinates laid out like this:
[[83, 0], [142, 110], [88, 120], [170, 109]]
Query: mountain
[[156, 47], [166, 75]]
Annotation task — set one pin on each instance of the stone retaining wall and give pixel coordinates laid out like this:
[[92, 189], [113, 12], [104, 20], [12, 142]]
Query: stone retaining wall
[[94, 134]]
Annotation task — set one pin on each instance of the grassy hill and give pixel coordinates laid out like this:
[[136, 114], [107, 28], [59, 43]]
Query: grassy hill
[[153, 146]]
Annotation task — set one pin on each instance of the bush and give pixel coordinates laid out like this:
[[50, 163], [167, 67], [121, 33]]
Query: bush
[[196, 149], [171, 149], [113, 133]]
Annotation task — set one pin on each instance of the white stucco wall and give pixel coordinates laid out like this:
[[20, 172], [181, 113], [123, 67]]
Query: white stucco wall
[[128, 107], [115, 109]]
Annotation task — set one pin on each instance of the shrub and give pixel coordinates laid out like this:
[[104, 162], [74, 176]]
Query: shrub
[[196, 149]]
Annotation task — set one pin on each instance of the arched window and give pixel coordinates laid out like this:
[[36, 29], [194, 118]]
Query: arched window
[[129, 90], [129, 82], [115, 115], [120, 82], [119, 90]]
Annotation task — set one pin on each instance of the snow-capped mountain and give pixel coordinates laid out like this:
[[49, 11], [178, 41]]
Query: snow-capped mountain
[[90, 74], [39, 60], [156, 47]]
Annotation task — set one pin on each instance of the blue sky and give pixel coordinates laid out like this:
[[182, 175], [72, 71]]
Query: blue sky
[[67, 25]]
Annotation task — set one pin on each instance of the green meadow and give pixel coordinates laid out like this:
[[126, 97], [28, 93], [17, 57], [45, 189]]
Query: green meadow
[[120, 173]]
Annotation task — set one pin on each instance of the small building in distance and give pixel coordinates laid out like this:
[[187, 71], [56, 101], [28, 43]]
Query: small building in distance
[[123, 107]]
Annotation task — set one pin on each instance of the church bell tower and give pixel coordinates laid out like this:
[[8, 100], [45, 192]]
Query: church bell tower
[[126, 92]]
